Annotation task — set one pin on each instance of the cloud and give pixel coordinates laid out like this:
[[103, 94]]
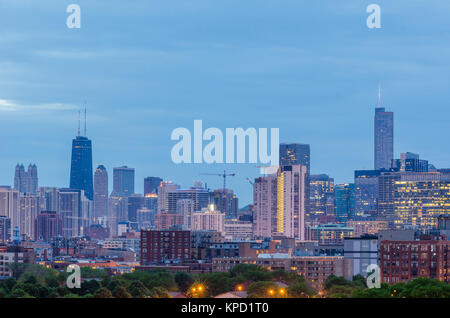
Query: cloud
[[10, 105]]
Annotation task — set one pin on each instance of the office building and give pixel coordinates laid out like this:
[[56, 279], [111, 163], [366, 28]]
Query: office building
[[384, 138], [366, 193], [100, 193], [345, 202], [226, 201], [123, 181], [26, 181], [151, 185], [81, 177]]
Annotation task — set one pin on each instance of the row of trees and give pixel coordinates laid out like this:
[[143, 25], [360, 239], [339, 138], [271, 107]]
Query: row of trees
[[41, 282]]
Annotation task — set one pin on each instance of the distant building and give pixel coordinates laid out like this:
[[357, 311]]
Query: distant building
[[48, 224], [322, 197], [9, 205], [370, 227], [26, 181], [162, 246], [402, 261], [123, 181], [363, 251], [208, 220], [100, 193], [330, 234], [384, 138], [238, 230], [345, 202], [226, 201], [28, 211], [151, 185], [81, 177], [366, 192], [410, 162], [5, 229]]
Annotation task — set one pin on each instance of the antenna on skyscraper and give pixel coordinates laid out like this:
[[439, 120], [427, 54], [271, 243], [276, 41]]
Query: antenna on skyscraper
[[379, 95], [79, 123], [85, 118]]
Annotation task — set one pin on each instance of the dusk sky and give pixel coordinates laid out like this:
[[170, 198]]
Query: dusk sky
[[309, 68]]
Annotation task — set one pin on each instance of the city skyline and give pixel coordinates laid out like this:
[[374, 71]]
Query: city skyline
[[164, 68]]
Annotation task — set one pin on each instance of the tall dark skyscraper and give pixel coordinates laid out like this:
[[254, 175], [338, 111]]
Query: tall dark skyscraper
[[123, 181], [100, 192], [384, 137], [151, 184], [81, 164], [81, 168]]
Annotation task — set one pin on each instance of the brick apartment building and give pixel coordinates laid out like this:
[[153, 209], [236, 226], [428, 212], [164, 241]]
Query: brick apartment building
[[166, 245], [407, 260]]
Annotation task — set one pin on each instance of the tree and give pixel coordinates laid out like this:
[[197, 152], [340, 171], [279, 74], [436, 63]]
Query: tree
[[103, 292], [300, 289], [262, 289], [184, 280], [121, 292], [159, 292], [138, 290]]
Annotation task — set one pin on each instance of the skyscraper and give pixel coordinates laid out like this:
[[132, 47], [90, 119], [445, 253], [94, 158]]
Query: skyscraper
[[100, 192], [384, 137], [151, 185], [295, 154], [48, 224], [81, 166], [123, 181], [26, 181], [322, 197]]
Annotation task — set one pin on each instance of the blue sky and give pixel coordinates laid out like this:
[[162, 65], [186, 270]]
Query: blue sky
[[310, 68]]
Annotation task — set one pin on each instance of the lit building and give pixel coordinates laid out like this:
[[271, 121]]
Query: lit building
[[71, 203], [162, 246], [345, 201], [413, 199], [291, 187], [208, 220], [185, 207], [5, 229], [372, 227], [330, 234], [366, 192], [402, 261], [322, 197]]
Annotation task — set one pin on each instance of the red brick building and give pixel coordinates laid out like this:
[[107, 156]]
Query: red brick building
[[407, 260], [48, 224], [166, 245]]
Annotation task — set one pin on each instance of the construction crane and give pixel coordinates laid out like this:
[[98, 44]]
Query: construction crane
[[250, 181], [224, 175]]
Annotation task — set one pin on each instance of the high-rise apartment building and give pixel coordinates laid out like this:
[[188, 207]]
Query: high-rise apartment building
[[100, 193], [384, 138], [9, 205], [322, 197], [226, 201], [265, 206], [28, 211], [160, 246]]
